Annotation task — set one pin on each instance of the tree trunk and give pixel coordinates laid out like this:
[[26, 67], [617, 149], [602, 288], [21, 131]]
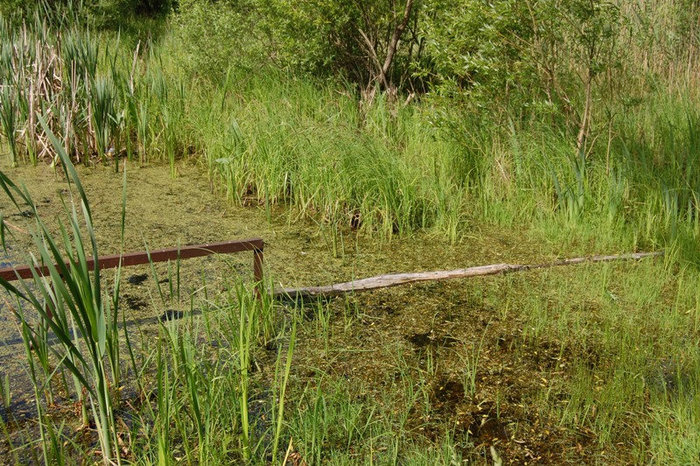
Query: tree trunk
[[586, 120], [382, 76]]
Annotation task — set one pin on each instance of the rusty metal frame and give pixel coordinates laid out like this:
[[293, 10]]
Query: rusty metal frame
[[160, 255]]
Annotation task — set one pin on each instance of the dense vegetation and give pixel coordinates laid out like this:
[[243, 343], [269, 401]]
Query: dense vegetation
[[577, 111], [577, 121]]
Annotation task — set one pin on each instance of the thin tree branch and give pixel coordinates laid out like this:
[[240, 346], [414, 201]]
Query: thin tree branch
[[385, 281]]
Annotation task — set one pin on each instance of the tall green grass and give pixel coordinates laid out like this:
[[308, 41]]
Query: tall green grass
[[210, 403], [210, 391], [71, 302], [389, 169], [224, 387], [276, 139]]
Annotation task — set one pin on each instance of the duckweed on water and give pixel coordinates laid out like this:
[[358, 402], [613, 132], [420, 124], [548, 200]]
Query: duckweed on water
[[551, 366]]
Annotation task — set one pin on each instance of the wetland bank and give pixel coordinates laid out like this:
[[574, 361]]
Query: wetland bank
[[537, 366], [491, 132]]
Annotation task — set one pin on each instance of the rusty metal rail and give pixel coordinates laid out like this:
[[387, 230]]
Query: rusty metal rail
[[160, 255]]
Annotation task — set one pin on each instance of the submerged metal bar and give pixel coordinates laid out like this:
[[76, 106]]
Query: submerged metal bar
[[160, 255]]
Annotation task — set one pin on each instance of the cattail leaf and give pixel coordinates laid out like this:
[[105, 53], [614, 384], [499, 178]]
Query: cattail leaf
[[12, 289]]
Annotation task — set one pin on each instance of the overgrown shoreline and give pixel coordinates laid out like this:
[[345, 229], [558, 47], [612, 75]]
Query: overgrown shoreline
[[558, 365], [580, 137], [446, 159]]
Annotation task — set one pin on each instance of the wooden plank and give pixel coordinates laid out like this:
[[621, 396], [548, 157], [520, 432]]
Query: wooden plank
[[160, 255], [385, 281]]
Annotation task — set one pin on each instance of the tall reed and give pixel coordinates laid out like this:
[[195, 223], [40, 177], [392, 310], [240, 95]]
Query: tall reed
[[72, 302]]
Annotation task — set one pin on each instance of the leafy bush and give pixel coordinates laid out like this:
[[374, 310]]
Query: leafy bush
[[210, 37], [323, 38]]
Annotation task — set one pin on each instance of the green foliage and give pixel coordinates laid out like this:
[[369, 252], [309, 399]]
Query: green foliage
[[497, 131], [323, 38], [210, 36], [265, 95], [520, 55], [72, 303], [479, 47], [139, 7]]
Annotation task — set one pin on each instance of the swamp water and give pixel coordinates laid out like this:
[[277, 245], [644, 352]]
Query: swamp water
[[381, 346], [165, 212]]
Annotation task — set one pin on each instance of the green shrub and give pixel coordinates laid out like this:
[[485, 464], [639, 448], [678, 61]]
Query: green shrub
[[209, 37]]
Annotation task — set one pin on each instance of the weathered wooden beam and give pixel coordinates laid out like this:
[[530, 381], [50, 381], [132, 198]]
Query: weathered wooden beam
[[385, 281]]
